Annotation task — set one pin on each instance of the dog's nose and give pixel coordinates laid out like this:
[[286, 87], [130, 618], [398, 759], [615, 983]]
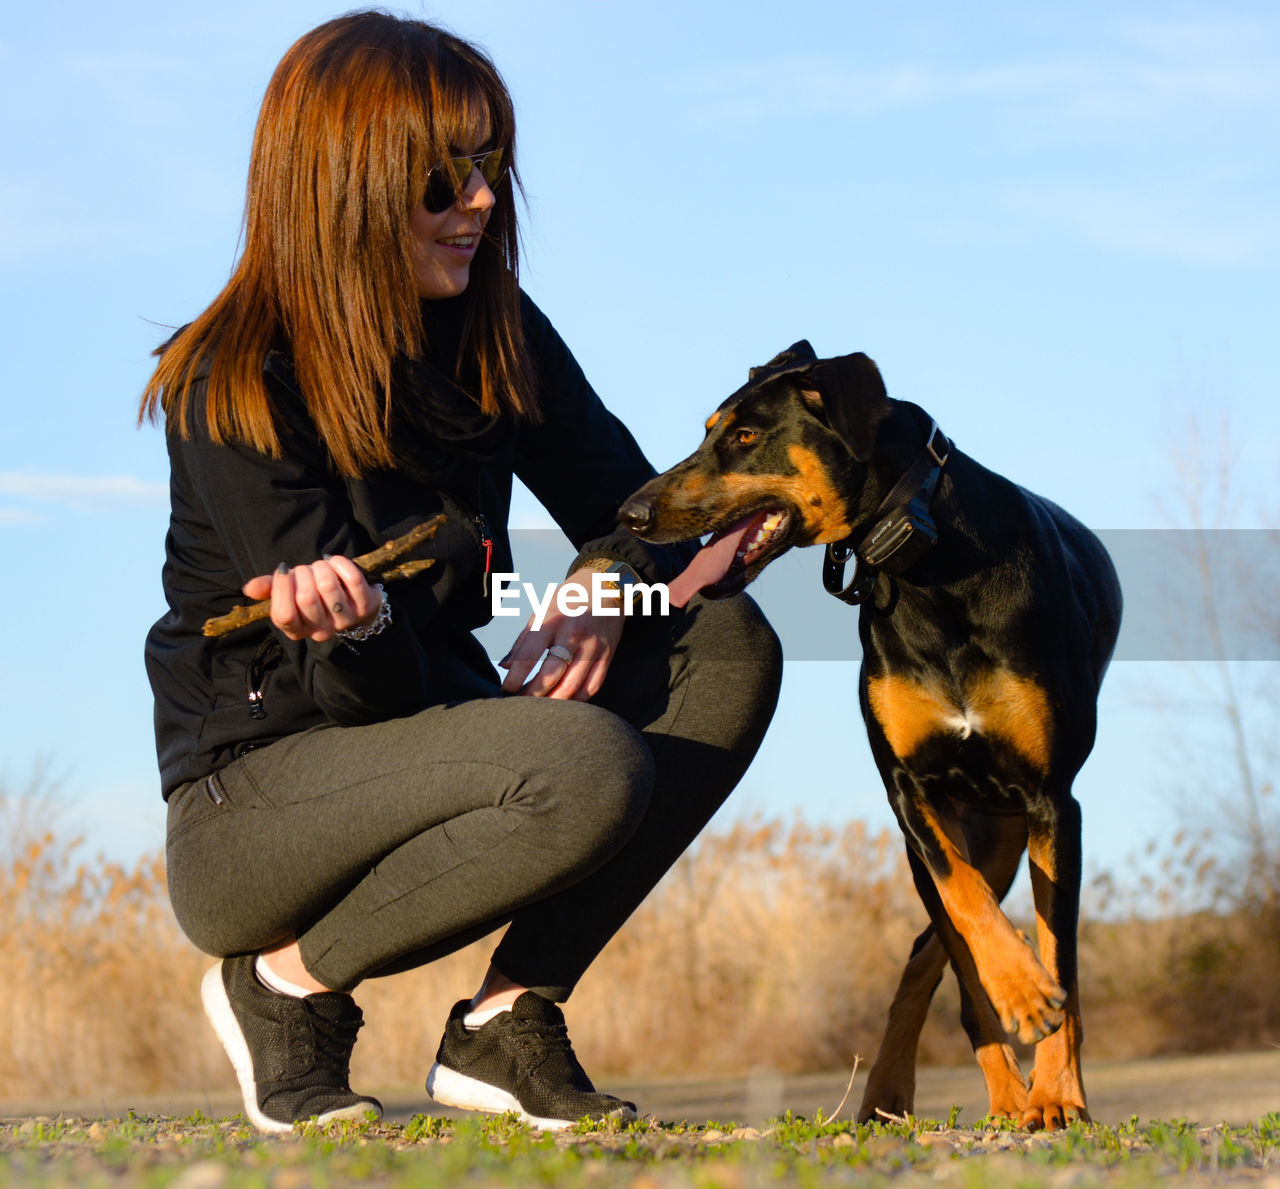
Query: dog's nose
[[637, 516]]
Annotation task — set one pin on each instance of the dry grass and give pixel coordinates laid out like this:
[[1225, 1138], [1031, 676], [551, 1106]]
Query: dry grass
[[96, 991], [773, 946]]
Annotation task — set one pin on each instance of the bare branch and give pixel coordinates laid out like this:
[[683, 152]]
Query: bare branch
[[382, 564]]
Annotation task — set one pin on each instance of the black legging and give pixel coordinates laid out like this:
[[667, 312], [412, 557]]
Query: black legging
[[383, 847]]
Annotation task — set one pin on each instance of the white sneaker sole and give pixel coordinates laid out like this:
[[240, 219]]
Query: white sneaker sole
[[451, 1088], [213, 994]]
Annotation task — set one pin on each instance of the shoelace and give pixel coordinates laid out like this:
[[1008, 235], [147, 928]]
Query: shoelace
[[330, 1040], [544, 1040]]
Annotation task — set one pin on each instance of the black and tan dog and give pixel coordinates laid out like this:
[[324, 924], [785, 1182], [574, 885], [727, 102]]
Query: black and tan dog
[[988, 617]]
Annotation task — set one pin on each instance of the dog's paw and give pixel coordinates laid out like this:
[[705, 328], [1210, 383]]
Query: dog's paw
[[1007, 1100], [1050, 1114], [1056, 1092], [1026, 998], [1006, 1089], [890, 1090]]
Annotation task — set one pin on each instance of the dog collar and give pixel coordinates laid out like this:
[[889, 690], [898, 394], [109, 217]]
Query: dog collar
[[901, 531]]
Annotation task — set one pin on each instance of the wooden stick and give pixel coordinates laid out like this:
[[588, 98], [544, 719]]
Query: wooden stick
[[380, 563]]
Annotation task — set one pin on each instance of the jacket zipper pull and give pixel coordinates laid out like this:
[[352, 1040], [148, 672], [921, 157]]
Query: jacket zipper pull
[[486, 543], [258, 673]]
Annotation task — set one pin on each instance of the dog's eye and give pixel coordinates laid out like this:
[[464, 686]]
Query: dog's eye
[[744, 437]]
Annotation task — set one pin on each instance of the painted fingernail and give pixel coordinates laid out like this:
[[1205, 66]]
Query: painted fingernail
[[282, 568], [506, 660], [328, 556]]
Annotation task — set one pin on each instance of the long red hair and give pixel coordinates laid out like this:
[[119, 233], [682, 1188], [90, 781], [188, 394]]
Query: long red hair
[[355, 116]]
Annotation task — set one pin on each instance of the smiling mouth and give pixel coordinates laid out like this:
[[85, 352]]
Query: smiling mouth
[[733, 556], [459, 241]]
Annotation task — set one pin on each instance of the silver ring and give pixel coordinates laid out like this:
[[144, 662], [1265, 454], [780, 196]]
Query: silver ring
[[561, 652]]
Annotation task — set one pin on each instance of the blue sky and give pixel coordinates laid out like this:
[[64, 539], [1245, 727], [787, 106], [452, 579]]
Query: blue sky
[[1055, 226]]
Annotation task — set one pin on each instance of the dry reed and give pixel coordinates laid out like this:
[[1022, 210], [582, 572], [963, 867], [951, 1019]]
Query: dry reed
[[771, 946]]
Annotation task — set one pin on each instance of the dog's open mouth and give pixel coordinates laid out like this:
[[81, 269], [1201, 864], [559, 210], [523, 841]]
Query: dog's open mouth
[[726, 563]]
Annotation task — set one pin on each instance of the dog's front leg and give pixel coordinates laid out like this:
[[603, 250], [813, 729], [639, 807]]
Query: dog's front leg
[[1026, 997], [995, 845], [1053, 847]]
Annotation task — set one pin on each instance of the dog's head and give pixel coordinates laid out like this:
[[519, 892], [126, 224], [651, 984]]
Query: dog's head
[[781, 461]]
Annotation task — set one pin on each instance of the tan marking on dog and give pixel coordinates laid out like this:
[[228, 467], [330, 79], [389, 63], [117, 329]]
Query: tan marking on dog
[[691, 488], [1057, 1085], [812, 399], [1015, 710], [715, 417], [998, 704], [830, 519], [809, 491], [909, 712], [1006, 1087], [1021, 990]]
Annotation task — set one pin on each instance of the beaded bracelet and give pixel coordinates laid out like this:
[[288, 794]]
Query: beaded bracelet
[[369, 630]]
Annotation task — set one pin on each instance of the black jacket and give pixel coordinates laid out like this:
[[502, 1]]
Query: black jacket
[[237, 513]]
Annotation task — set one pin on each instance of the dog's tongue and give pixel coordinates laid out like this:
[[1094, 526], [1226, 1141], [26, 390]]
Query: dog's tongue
[[712, 563]]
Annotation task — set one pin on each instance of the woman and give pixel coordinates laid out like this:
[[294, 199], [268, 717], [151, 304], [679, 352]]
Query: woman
[[350, 794]]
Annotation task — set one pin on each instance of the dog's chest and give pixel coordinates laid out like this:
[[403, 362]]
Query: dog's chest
[[991, 724]]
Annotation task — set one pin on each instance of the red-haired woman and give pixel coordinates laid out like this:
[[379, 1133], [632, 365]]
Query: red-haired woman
[[350, 794]]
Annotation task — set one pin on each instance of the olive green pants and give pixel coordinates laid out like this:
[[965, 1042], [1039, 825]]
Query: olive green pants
[[383, 847]]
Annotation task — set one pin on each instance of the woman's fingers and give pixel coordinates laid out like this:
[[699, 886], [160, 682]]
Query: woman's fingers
[[523, 658], [570, 653], [593, 676], [314, 621], [258, 588], [565, 659], [285, 612], [563, 668], [315, 601], [363, 600]]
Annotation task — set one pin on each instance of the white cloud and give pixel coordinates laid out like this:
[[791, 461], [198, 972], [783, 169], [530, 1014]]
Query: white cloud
[[76, 492]]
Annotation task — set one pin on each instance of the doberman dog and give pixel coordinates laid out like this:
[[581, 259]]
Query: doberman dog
[[988, 616]]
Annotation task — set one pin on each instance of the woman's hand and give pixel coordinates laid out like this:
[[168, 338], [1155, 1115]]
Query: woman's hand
[[316, 601], [590, 640]]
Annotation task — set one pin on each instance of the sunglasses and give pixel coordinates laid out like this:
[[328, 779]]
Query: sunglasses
[[448, 179]]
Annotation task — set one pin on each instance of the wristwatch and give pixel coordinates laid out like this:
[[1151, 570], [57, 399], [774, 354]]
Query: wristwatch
[[625, 577]]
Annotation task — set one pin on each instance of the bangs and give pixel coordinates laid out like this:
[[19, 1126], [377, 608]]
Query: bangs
[[468, 105]]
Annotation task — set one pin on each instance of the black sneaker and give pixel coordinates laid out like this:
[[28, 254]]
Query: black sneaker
[[292, 1056], [521, 1061]]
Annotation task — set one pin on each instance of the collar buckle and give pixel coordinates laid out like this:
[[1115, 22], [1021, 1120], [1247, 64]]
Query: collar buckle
[[938, 445]]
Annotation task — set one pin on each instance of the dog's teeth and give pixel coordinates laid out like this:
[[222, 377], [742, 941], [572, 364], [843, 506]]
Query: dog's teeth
[[762, 536]]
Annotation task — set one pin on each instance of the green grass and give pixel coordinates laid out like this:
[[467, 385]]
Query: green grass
[[202, 1153]]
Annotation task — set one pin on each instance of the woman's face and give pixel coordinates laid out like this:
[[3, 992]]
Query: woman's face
[[444, 244]]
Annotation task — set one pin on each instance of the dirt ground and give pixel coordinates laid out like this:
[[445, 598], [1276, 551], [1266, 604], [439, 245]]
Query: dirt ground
[[1236, 1088]]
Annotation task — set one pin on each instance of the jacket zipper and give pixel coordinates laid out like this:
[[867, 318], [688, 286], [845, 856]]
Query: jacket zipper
[[486, 545]]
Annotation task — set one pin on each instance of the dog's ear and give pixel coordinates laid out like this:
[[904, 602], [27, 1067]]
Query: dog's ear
[[795, 356], [853, 399]]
